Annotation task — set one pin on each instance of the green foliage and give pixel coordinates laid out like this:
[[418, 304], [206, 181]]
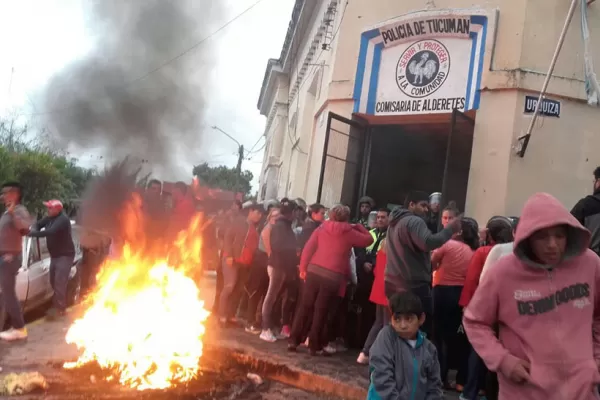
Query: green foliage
[[43, 173], [224, 178]]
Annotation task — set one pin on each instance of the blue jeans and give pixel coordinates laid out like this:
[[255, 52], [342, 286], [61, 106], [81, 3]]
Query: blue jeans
[[60, 268], [382, 318], [277, 279], [8, 280], [475, 376]]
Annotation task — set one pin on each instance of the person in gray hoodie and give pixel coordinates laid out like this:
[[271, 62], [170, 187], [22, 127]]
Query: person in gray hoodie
[[409, 242], [403, 362]]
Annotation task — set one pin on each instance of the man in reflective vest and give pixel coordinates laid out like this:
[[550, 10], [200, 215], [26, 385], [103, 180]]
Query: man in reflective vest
[[366, 316], [379, 233]]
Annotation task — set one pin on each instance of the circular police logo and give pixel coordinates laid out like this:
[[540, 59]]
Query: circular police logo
[[423, 68]]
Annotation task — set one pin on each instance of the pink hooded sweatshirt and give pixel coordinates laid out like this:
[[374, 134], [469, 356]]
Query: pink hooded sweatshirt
[[547, 315]]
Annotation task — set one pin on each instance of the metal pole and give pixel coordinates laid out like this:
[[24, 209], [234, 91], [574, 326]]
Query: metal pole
[[324, 159], [561, 40], [447, 166]]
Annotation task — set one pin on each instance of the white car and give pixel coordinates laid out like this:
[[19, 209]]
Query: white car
[[33, 280]]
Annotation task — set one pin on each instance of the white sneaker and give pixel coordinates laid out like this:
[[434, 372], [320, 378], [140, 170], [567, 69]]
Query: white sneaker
[[362, 358], [329, 349], [268, 336], [14, 334]]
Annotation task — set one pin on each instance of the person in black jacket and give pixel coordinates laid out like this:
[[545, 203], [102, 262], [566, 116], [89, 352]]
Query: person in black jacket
[[587, 212], [316, 215], [57, 231], [283, 273]]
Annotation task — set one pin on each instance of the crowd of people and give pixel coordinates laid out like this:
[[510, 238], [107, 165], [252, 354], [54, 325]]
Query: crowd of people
[[511, 306]]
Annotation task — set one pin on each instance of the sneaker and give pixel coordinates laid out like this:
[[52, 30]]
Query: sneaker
[[321, 353], [285, 332], [362, 358], [340, 344], [14, 334], [252, 329], [268, 336], [330, 348]]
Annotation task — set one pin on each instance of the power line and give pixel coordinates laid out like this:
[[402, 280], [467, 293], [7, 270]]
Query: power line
[[257, 141], [183, 53]]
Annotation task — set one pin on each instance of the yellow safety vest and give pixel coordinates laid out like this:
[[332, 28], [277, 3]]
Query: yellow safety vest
[[373, 233]]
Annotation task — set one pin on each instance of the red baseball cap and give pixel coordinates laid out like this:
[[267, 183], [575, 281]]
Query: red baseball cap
[[53, 204]]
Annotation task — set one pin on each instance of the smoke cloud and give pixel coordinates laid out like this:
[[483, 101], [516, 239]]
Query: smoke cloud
[[116, 98]]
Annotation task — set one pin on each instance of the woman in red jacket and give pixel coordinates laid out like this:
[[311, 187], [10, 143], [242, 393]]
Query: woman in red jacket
[[324, 267], [382, 314]]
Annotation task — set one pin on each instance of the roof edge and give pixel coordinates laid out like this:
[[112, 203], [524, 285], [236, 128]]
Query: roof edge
[[289, 37]]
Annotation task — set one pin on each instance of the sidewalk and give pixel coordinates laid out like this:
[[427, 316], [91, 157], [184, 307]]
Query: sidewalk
[[338, 375]]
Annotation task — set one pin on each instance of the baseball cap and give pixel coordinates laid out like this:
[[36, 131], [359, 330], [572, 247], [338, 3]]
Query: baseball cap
[[53, 204]]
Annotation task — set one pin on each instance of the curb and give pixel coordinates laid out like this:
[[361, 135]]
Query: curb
[[263, 364]]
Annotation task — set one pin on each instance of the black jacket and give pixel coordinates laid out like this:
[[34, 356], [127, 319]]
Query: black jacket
[[308, 228], [587, 212], [284, 251], [57, 233]]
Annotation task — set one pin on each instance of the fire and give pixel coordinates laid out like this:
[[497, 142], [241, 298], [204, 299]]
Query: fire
[[145, 321]]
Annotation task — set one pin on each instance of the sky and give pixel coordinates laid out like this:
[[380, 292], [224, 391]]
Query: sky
[[40, 38]]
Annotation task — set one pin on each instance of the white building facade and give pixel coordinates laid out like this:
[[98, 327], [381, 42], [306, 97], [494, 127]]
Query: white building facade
[[362, 99]]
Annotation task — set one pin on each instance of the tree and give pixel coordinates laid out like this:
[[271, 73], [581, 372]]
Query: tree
[[224, 178], [44, 174]]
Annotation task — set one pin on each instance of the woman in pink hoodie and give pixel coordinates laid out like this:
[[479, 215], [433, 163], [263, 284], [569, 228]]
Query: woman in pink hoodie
[[545, 298]]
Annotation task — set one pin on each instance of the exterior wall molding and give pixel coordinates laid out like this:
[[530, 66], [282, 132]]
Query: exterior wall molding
[[278, 108], [317, 38]]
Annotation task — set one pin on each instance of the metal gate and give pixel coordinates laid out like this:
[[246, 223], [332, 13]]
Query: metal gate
[[458, 119], [342, 160]]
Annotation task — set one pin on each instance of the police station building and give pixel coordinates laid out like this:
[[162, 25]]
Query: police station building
[[381, 98]]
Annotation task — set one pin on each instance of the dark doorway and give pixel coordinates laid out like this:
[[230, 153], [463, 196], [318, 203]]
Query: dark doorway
[[410, 157]]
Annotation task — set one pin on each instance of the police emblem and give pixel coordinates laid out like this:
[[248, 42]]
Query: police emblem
[[423, 68]]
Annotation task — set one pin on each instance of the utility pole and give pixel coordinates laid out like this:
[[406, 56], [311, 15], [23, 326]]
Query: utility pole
[[238, 168], [240, 158]]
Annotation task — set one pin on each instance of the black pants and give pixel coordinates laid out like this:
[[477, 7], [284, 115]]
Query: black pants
[[290, 299], [218, 289], [475, 376], [423, 292], [256, 287], [447, 317], [318, 294]]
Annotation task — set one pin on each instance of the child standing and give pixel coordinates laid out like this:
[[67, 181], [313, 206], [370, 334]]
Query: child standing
[[404, 364]]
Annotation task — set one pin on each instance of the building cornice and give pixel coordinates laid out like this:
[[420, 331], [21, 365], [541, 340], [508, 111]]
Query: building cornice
[[276, 65]]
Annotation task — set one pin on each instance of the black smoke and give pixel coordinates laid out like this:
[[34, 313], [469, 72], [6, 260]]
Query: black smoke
[[121, 98]]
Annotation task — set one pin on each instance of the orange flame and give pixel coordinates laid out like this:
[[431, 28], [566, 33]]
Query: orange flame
[[146, 320]]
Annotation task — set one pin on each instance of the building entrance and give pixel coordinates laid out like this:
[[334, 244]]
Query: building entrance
[[431, 157], [386, 158]]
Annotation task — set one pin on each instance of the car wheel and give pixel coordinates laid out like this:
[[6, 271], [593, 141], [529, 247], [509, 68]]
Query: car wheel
[[74, 290]]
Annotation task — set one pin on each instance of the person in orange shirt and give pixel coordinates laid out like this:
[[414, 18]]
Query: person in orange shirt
[[450, 263]]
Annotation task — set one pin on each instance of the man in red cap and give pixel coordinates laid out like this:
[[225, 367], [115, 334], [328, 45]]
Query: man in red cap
[[57, 231]]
